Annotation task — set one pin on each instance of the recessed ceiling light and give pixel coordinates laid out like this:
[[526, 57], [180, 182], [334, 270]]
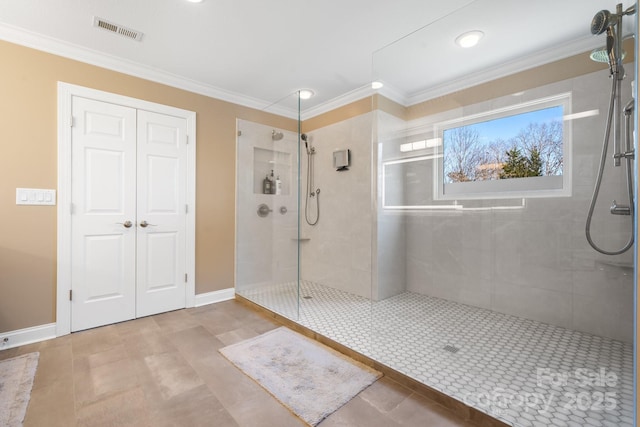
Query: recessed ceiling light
[[376, 85], [469, 39], [305, 93], [195, 1]]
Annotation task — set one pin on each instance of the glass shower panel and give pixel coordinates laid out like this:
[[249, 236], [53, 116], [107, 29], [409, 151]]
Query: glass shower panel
[[484, 169], [267, 236], [336, 267]]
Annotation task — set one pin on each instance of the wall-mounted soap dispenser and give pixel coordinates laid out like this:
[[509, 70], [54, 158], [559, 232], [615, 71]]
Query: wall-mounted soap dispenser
[[342, 159]]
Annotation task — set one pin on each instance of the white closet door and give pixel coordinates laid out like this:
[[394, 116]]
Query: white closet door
[[103, 242], [161, 238]]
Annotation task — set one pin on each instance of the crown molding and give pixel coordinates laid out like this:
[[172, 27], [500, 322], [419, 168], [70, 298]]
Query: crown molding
[[584, 44], [337, 102], [58, 47], [68, 50]]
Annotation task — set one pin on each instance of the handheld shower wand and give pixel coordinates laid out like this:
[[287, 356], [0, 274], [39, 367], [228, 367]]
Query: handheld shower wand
[[312, 192], [605, 21], [611, 52]]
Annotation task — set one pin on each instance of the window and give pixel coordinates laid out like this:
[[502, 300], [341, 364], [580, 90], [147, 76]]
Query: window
[[518, 151]]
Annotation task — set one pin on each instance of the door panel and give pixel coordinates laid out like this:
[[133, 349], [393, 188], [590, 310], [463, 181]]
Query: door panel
[[105, 258], [104, 198], [104, 181], [163, 191], [161, 160], [161, 254]]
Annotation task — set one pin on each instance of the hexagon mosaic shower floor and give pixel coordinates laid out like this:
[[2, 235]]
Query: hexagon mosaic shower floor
[[523, 372]]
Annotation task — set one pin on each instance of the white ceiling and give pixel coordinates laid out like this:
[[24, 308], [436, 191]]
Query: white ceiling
[[257, 52]]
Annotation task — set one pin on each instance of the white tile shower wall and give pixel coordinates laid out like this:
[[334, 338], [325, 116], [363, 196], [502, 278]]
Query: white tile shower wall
[[338, 253], [535, 262], [266, 251]]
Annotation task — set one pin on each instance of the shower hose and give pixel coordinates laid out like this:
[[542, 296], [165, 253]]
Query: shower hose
[[603, 157]]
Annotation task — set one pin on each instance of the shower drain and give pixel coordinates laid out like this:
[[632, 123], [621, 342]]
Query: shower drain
[[307, 297], [451, 348]]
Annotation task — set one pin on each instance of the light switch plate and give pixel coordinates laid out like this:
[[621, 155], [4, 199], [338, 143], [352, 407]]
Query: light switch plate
[[35, 196]]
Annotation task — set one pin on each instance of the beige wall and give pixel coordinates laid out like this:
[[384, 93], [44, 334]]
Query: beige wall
[[345, 112], [28, 158]]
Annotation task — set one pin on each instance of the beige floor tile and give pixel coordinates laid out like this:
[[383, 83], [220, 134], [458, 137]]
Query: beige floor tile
[[148, 344], [262, 410], [95, 360], [95, 383], [194, 408], [174, 321], [94, 340], [55, 363], [218, 321], [127, 409], [51, 405], [262, 325], [358, 412], [195, 343], [237, 386], [172, 374], [55, 342], [19, 351], [137, 327], [417, 411], [237, 335], [385, 394]]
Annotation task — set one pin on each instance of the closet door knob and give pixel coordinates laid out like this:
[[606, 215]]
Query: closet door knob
[[127, 224], [144, 224]]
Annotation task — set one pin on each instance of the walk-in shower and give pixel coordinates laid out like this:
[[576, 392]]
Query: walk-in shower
[[611, 23], [312, 193], [494, 297]]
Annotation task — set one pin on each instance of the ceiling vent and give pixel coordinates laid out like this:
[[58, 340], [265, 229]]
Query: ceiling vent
[[118, 29]]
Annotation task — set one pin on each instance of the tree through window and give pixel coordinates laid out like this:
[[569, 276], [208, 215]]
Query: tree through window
[[517, 146]]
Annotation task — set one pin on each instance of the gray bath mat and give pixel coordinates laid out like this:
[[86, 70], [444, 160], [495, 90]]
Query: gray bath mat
[[309, 378], [16, 380]]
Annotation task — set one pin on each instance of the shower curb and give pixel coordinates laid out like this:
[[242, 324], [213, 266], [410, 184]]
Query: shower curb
[[465, 412]]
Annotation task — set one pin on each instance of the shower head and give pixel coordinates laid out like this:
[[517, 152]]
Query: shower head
[[611, 23], [603, 20], [276, 136], [305, 137], [602, 55]]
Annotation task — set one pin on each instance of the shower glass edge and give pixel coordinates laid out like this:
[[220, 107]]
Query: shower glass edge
[[267, 243]]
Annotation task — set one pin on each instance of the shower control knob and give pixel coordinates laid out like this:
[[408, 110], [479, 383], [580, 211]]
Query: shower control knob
[[263, 210]]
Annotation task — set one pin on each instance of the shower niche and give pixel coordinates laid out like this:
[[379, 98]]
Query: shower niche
[[264, 162]]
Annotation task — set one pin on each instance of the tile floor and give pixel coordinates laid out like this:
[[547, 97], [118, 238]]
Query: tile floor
[[165, 370], [523, 372]]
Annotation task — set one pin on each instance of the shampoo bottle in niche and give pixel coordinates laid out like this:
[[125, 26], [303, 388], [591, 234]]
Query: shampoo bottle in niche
[[273, 182], [278, 185], [266, 185]]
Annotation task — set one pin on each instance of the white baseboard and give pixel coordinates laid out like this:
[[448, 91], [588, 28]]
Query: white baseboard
[[215, 296], [27, 336], [45, 332]]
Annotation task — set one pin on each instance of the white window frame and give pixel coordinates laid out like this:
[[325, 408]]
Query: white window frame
[[539, 186]]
